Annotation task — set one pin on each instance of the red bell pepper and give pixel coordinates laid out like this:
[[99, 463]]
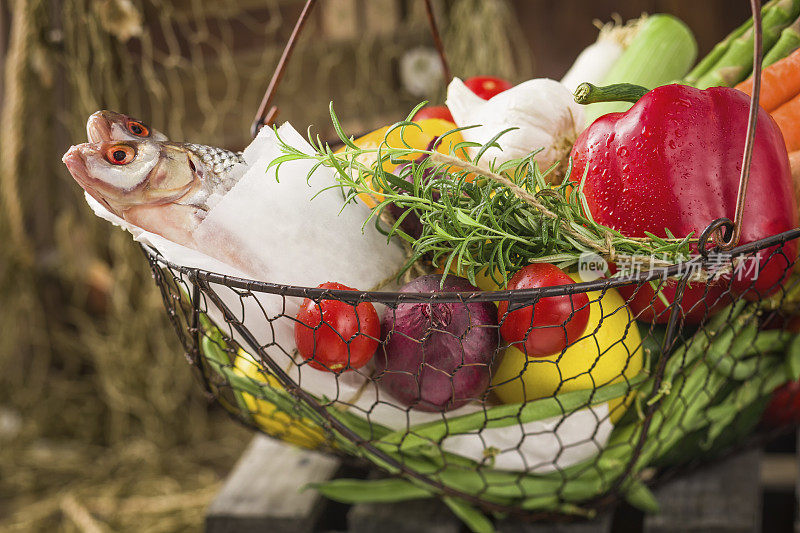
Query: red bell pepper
[[673, 161]]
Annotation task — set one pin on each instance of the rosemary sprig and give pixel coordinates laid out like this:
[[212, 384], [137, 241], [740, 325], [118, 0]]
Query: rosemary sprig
[[480, 218]]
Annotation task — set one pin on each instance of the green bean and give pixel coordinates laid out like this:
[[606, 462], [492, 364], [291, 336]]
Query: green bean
[[793, 358], [378, 490], [745, 394], [638, 495], [475, 520], [744, 341], [739, 370], [537, 503], [507, 415]]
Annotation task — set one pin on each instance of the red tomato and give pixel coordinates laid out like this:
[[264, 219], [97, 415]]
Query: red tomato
[[487, 86], [436, 111], [784, 407], [552, 323], [336, 336]]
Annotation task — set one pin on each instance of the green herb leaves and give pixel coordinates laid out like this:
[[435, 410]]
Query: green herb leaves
[[477, 216]]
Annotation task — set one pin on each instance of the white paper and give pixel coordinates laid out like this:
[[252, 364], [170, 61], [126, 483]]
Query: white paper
[[536, 447]]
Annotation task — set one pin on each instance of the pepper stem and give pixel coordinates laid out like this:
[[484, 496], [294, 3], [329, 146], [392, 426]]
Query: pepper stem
[[586, 93]]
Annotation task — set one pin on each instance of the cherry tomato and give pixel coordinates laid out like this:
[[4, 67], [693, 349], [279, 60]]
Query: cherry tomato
[[436, 111], [487, 86], [552, 323], [336, 336]]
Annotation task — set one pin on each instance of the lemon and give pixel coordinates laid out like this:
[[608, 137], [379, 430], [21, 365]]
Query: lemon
[[484, 281], [416, 137], [609, 352], [266, 415]]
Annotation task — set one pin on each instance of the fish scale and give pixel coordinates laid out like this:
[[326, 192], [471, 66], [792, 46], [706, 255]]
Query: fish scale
[[220, 160]]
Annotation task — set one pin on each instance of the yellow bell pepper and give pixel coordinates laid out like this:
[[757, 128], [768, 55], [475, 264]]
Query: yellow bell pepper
[[609, 353], [295, 430], [417, 138]]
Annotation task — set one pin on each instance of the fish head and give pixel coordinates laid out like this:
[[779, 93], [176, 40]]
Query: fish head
[[124, 174], [112, 126]]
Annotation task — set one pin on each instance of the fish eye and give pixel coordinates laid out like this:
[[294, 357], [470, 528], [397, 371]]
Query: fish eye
[[120, 154], [138, 129]]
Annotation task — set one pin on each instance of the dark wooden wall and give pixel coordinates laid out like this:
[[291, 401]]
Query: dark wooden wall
[[558, 30]]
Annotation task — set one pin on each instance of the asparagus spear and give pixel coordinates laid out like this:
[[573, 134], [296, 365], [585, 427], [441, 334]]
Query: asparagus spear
[[788, 42], [736, 64], [707, 63]]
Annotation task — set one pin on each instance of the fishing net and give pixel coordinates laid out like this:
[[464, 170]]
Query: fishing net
[[85, 351]]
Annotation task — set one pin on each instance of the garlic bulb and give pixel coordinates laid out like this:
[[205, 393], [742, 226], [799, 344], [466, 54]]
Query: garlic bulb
[[542, 111]]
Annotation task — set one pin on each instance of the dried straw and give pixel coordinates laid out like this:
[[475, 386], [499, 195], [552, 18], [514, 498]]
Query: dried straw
[[114, 433]]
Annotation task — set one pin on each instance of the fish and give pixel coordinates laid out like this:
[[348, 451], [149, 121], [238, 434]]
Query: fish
[[105, 125], [160, 186]]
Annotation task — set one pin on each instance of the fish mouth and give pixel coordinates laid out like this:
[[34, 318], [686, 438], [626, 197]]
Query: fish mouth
[[76, 164], [98, 128]]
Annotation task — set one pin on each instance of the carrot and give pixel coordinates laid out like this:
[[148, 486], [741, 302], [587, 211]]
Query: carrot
[[779, 82], [788, 118]]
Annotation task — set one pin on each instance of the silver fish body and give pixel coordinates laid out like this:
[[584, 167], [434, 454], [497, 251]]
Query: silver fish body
[[162, 187], [105, 125]]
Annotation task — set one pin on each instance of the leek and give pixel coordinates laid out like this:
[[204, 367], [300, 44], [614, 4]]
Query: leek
[[663, 50], [595, 61]]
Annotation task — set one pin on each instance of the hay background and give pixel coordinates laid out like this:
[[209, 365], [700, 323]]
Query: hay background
[[102, 425]]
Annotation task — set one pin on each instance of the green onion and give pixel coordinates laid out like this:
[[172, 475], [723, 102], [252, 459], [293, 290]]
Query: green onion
[[662, 51]]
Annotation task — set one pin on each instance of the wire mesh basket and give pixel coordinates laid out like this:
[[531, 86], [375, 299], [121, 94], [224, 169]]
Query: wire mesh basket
[[540, 437], [623, 398]]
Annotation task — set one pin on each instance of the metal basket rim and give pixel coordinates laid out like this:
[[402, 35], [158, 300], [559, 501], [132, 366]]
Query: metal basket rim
[[603, 284]]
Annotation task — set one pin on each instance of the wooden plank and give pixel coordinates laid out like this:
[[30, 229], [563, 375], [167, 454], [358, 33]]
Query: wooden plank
[[600, 525], [779, 471], [262, 491], [432, 516], [414, 516], [723, 497]]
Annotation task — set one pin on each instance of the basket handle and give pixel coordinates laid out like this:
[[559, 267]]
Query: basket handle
[[266, 114], [724, 232]]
